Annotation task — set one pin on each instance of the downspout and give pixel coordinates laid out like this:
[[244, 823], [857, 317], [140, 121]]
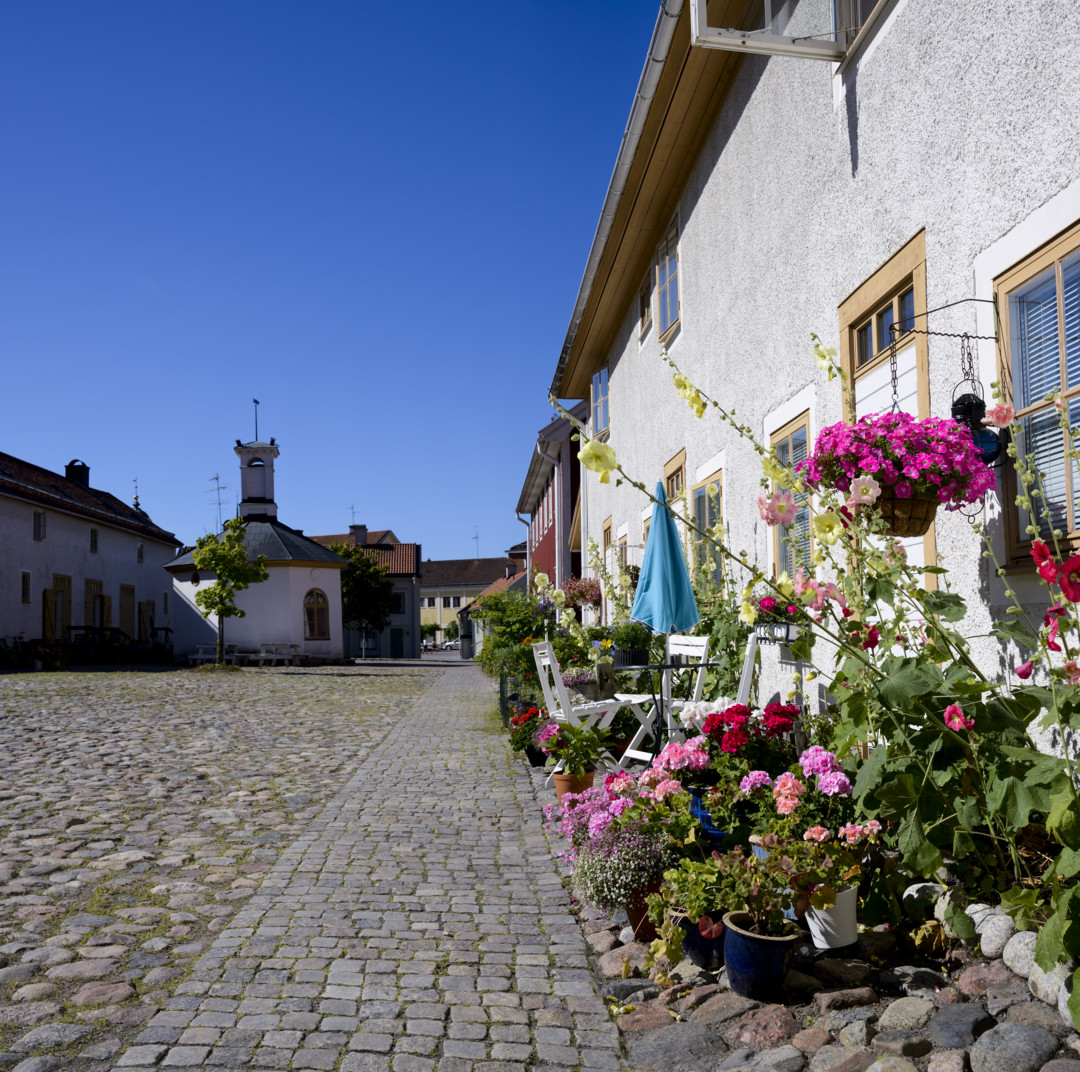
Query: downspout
[[639, 112], [554, 459], [528, 549]]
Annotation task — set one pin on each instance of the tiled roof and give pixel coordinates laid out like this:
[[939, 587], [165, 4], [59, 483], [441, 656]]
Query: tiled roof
[[399, 559], [501, 585], [374, 538], [35, 484], [464, 571], [277, 541]]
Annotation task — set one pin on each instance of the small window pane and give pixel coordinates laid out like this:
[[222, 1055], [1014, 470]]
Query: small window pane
[[1041, 435], [907, 310], [864, 344], [1033, 317], [885, 322], [1070, 286]]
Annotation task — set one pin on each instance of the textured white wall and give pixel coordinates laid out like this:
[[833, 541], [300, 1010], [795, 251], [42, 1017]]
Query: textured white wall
[[959, 120]]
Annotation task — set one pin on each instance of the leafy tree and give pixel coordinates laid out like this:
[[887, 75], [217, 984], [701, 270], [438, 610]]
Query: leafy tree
[[429, 630], [451, 631], [366, 590], [226, 557]]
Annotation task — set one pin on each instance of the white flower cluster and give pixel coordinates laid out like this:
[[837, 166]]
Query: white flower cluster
[[692, 716]]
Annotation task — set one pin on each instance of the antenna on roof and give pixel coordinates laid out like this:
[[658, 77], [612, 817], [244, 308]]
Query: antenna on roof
[[352, 511], [218, 488], [136, 483], [256, 401], [477, 539]]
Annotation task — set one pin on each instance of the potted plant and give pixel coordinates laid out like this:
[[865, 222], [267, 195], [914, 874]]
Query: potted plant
[[573, 751], [582, 591], [903, 466], [523, 727], [631, 640], [777, 620]]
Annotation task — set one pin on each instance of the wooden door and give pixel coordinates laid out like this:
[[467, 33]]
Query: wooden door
[[127, 610]]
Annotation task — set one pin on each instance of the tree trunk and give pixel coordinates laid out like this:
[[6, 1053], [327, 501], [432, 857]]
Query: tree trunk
[[220, 640]]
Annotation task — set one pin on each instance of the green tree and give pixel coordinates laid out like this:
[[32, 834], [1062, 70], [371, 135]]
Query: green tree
[[451, 631], [366, 590], [429, 630], [226, 557]]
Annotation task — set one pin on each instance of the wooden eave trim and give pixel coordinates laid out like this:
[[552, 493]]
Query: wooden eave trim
[[691, 91]]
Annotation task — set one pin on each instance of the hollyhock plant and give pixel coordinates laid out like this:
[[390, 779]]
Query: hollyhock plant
[[956, 720], [935, 456]]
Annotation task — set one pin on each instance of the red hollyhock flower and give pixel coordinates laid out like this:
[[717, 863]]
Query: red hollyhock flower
[[1047, 567], [872, 638], [1069, 579]]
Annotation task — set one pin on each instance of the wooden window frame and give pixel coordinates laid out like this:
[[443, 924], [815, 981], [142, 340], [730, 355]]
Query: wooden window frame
[[905, 270], [606, 544], [601, 402], [93, 541], [775, 439], [316, 626], [671, 238], [1024, 272], [675, 470], [40, 525], [696, 541]]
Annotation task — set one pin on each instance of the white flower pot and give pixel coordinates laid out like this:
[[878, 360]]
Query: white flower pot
[[836, 927]]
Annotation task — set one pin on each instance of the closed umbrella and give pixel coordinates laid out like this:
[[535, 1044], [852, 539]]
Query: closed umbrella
[[664, 600]]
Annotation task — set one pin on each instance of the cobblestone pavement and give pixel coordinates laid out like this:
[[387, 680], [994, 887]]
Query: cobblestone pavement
[[413, 921]]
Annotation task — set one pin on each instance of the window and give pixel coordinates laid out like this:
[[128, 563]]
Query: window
[[316, 615], [1040, 309], [645, 531], [707, 515], [397, 603], [791, 543], [874, 337], [139, 552], [165, 603], [39, 524], [446, 602], [622, 548], [850, 16], [645, 296], [25, 587], [609, 564], [457, 601], [675, 476], [93, 541], [667, 283], [600, 402], [429, 601]]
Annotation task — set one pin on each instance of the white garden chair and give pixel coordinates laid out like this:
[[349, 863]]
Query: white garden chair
[[596, 715], [696, 651]]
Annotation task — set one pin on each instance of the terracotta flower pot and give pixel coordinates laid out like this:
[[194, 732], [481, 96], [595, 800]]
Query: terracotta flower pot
[[912, 516], [572, 783]]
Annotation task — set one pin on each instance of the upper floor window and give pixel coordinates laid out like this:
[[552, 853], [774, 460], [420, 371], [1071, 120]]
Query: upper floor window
[[675, 476], [706, 498], [600, 402], [39, 524], [93, 541], [456, 601], [25, 587], [139, 551], [397, 603], [316, 615], [850, 16], [874, 336], [645, 296], [446, 602], [667, 282], [1041, 329], [791, 543]]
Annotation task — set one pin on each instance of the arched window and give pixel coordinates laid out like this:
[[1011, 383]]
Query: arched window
[[316, 615]]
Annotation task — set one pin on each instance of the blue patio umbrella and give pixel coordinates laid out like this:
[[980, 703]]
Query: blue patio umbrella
[[664, 600]]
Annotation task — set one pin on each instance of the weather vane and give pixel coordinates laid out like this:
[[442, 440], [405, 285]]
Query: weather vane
[[256, 401]]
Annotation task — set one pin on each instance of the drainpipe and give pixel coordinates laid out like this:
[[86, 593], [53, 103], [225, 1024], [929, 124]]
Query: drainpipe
[[528, 549], [554, 458]]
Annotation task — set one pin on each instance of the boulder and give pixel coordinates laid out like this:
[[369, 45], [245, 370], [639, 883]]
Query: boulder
[[1019, 953], [612, 965], [956, 1027], [1047, 985], [685, 1047], [977, 979], [906, 1014], [765, 1028], [919, 900], [836, 972], [1012, 1048], [722, 1008], [994, 933], [843, 999]]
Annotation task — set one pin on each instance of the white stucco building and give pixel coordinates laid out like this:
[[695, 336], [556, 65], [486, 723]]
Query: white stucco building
[[300, 602], [75, 559], [929, 179]]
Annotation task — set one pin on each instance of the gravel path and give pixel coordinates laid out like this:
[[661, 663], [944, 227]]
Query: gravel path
[[318, 869]]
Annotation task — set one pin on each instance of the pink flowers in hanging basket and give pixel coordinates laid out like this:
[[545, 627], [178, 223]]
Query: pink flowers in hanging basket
[[935, 457]]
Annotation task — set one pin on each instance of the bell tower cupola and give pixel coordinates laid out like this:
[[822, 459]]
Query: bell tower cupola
[[257, 479]]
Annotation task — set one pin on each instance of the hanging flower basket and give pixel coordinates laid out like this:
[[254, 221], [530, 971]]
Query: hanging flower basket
[[912, 516], [776, 632]]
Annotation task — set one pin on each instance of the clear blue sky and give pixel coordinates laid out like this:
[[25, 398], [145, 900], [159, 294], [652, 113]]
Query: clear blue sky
[[376, 228]]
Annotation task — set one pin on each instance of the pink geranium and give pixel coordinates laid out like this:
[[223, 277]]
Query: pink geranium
[[816, 833]]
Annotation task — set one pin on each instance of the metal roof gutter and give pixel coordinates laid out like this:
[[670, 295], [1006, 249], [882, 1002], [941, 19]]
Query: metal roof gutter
[[650, 76]]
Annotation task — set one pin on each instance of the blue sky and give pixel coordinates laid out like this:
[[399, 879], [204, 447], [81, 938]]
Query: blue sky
[[377, 228]]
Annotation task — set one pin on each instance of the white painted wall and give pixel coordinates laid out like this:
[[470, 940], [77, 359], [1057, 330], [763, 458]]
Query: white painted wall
[[66, 550], [958, 120]]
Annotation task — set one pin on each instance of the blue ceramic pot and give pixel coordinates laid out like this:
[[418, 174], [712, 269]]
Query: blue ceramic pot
[[706, 953], [713, 833], [756, 964]]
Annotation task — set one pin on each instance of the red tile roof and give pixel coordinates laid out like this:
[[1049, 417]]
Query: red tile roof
[[23, 480], [399, 559], [465, 572]]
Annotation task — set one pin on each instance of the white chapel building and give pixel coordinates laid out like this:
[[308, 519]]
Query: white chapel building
[[300, 602]]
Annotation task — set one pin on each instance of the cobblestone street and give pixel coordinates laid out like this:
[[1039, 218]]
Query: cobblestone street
[[315, 869]]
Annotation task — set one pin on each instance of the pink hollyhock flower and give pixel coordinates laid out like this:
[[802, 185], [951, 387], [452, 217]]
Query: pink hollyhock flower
[[1069, 579], [1072, 672], [999, 416], [956, 720], [1051, 636], [816, 833], [1023, 671], [756, 779], [800, 584], [783, 507], [864, 491], [765, 509]]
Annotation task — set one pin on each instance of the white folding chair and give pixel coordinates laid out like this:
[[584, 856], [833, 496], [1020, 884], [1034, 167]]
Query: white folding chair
[[559, 708], [694, 649]]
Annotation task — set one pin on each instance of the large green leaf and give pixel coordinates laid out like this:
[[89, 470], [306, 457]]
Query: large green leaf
[[1074, 999], [870, 771], [1015, 629], [1050, 944], [946, 605], [913, 682], [1063, 823], [959, 921]]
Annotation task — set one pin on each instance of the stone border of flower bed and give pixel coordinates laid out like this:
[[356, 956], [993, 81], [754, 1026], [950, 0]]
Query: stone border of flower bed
[[871, 1006]]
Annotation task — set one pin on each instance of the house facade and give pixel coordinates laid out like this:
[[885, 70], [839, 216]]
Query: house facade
[[923, 187], [401, 638], [550, 498], [75, 558], [449, 585], [299, 603]]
